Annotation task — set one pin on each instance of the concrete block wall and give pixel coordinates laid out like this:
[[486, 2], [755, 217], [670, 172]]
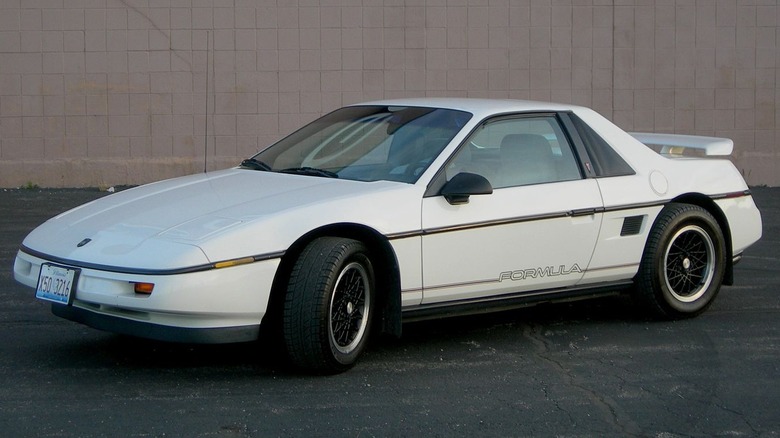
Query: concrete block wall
[[107, 92]]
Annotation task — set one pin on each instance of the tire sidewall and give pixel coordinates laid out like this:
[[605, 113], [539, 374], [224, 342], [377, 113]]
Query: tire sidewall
[[355, 253], [681, 217], [306, 310]]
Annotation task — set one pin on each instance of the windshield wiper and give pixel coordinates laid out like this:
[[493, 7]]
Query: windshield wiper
[[255, 164], [313, 171]]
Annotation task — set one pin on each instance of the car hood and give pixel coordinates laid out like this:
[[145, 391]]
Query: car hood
[[205, 218]]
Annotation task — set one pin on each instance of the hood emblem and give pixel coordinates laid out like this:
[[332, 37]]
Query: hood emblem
[[84, 242]]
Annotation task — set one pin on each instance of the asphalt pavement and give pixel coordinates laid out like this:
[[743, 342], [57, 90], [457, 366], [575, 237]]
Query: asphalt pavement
[[595, 368]]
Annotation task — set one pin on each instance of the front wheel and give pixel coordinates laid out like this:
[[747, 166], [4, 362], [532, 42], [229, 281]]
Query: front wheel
[[683, 264], [329, 305]]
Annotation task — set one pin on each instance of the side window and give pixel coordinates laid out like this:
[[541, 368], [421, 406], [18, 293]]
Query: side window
[[517, 151]]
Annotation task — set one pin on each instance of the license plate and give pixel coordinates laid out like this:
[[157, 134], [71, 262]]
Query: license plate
[[56, 283]]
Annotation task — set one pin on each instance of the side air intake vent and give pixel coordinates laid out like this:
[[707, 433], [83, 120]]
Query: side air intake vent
[[632, 225]]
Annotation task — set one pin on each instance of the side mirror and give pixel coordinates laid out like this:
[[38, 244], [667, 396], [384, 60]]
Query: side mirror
[[461, 186]]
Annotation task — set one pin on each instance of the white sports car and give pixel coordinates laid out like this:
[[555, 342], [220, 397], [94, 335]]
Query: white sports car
[[397, 210]]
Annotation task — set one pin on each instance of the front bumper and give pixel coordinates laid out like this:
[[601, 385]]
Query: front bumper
[[212, 306], [142, 329]]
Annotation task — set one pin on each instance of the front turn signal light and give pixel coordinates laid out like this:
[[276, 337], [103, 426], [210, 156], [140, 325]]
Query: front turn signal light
[[143, 288]]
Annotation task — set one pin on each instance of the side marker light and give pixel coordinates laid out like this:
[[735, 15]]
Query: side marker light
[[234, 262]]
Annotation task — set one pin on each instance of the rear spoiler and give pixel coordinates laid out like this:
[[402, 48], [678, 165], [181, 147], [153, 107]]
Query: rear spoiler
[[675, 144]]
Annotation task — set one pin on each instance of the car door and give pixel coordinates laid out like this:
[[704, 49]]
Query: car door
[[535, 232]]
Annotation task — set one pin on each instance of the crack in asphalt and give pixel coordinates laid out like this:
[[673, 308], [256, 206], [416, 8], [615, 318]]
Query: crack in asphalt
[[608, 407]]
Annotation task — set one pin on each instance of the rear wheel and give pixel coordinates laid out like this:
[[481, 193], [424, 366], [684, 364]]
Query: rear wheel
[[329, 305], [683, 264]]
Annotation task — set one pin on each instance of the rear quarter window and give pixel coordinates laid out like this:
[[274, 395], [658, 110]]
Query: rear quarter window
[[605, 161]]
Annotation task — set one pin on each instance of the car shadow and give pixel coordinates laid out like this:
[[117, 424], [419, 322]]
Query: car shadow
[[506, 327], [419, 341]]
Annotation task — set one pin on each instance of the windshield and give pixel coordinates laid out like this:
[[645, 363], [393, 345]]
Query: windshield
[[365, 143]]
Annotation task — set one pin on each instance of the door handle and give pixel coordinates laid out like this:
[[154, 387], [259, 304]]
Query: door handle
[[583, 212]]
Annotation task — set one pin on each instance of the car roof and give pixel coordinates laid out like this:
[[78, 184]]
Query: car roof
[[476, 106]]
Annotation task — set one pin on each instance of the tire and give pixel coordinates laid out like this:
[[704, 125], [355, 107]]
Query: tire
[[684, 262], [328, 306]]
